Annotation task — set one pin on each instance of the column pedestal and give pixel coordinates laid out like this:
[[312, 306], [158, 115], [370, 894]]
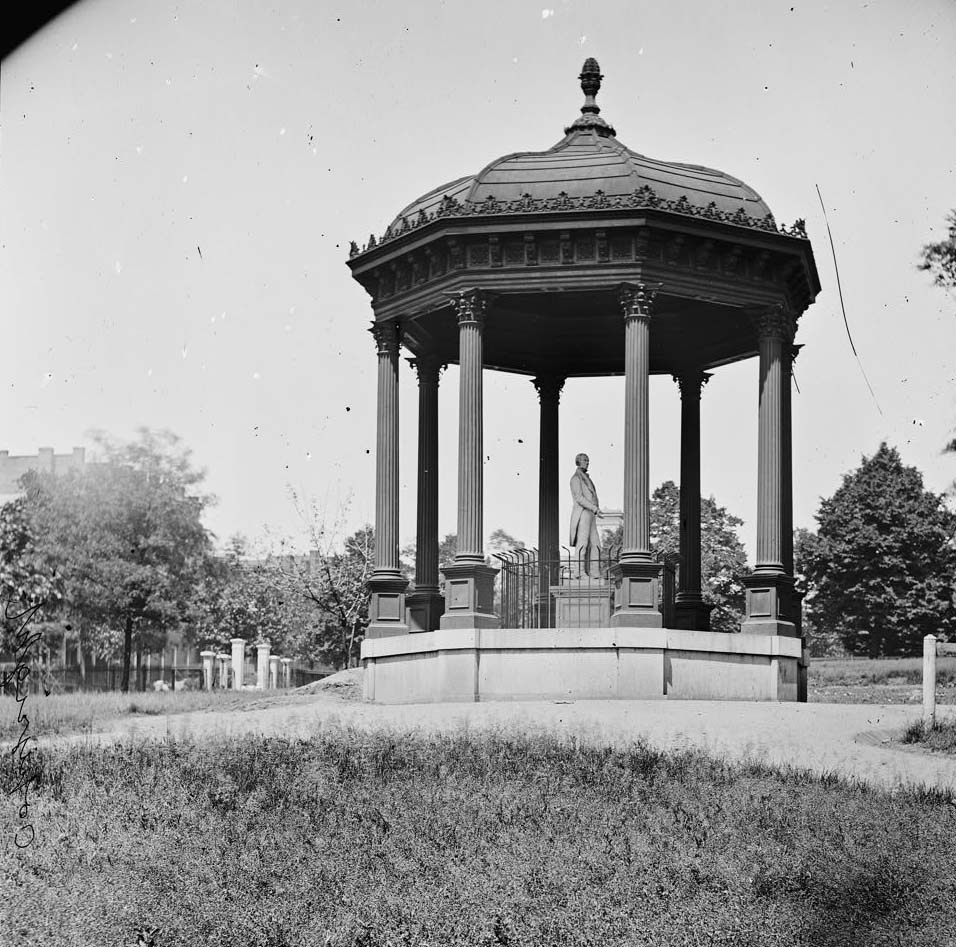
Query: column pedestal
[[692, 612], [424, 608], [386, 610], [469, 596], [770, 598], [636, 594]]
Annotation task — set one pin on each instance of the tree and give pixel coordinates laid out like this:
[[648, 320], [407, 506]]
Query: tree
[[940, 258], [28, 573], [880, 571], [723, 558], [127, 538], [248, 597], [502, 541], [822, 642], [333, 577]]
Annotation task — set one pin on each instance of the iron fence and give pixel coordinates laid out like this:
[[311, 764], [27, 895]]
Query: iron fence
[[566, 592]]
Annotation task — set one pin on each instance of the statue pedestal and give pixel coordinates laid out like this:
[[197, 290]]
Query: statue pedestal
[[582, 603]]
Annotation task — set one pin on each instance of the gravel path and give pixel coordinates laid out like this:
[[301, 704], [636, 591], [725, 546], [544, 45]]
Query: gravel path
[[851, 740]]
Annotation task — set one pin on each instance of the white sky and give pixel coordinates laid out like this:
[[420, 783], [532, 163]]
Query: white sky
[[269, 135]]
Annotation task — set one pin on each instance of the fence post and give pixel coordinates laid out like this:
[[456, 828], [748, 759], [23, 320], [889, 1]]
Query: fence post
[[223, 662], [207, 658], [286, 672], [262, 666], [238, 661], [929, 680]]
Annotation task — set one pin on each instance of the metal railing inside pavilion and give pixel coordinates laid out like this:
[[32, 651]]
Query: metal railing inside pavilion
[[562, 593]]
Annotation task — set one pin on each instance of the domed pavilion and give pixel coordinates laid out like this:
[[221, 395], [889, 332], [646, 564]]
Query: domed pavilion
[[586, 259]]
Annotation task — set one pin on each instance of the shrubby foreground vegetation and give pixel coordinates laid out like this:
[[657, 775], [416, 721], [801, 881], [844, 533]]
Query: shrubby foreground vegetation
[[350, 839]]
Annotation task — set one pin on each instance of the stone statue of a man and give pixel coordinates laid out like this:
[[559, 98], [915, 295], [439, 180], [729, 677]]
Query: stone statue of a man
[[584, 531]]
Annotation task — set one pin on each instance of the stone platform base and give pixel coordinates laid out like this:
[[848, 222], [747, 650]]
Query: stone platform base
[[479, 664]]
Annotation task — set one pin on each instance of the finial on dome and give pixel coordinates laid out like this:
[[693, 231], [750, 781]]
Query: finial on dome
[[590, 85]]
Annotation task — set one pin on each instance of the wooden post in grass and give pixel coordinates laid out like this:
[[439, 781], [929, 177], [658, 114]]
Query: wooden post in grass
[[929, 680]]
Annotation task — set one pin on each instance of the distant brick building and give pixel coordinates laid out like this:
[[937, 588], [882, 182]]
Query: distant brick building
[[44, 461]]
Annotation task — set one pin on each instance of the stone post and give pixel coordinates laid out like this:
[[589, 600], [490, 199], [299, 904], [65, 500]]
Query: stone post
[[273, 672], [207, 659], [426, 604], [238, 661], [770, 587], [637, 575], [262, 666], [286, 672], [469, 582], [386, 584], [690, 609], [929, 680], [222, 663], [549, 394]]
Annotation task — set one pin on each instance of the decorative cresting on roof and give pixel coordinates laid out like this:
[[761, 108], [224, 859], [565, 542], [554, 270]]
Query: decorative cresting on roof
[[643, 198], [590, 85]]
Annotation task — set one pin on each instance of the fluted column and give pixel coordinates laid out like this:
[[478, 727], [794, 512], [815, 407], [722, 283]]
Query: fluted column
[[790, 354], [387, 585], [469, 582], [470, 309], [774, 333], [425, 604], [637, 303], [637, 575], [770, 598], [549, 394], [690, 610]]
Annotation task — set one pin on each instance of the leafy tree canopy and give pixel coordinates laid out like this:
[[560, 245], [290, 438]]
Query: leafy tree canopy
[[940, 258], [723, 557], [880, 570], [124, 537]]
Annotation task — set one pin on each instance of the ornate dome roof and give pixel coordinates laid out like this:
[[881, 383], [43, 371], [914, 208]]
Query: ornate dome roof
[[590, 162]]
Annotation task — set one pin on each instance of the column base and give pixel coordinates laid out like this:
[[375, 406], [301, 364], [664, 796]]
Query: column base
[[386, 611], [636, 592], [692, 613], [770, 603], [423, 609], [469, 596]]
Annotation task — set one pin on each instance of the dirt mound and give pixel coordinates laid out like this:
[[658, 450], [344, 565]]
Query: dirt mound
[[345, 684]]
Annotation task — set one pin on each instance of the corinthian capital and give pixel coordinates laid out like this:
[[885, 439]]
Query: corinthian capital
[[637, 299], [773, 322], [548, 387], [387, 337], [428, 368], [690, 382], [469, 306]]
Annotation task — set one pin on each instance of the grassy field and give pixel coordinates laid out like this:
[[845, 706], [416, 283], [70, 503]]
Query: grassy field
[[81, 711], [892, 671], [878, 681], [361, 840]]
